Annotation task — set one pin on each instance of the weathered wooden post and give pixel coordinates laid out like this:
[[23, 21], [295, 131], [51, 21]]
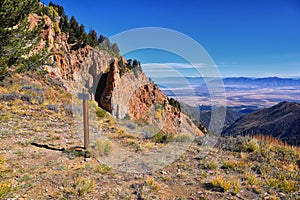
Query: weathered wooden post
[[85, 98]]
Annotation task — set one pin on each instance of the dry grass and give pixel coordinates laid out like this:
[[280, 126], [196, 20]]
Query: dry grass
[[184, 137], [84, 185], [209, 164], [221, 183], [103, 147], [277, 142], [236, 186], [80, 187], [251, 178], [5, 185], [103, 169], [152, 184], [5, 189], [230, 165]]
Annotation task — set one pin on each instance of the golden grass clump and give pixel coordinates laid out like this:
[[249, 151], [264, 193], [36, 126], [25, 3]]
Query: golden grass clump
[[220, 183]]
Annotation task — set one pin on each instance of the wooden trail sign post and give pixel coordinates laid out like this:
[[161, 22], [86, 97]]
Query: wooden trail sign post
[[85, 97]]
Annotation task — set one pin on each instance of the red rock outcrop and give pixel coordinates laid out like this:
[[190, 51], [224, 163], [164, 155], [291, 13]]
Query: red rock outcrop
[[150, 104], [133, 95], [106, 87], [128, 95], [74, 68]]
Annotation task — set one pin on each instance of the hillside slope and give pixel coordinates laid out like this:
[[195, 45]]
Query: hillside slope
[[41, 158], [281, 121]]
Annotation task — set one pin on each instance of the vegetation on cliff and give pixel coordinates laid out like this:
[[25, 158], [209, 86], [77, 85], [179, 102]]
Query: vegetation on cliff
[[174, 103], [21, 48], [134, 65], [17, 41]]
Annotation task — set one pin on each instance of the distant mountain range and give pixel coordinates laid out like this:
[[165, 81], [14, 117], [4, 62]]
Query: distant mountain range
[[281, 121], [197, 81], [266, 82]]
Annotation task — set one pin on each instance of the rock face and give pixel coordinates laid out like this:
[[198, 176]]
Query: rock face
[[132, 95], [150, 104], [75, 69], [120, 88], [79, 68], [281, 121]]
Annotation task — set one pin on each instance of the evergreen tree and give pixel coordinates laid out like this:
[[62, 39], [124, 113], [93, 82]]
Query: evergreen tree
[[92, 38], [175, 103], [101, 39], [115, 48], [129, 62], [81, 30], [106, 43], [135, 63], [73, 31], [64, 24]]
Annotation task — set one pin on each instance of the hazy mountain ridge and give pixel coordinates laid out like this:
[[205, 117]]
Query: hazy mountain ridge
[[266, 82], [281, 121]]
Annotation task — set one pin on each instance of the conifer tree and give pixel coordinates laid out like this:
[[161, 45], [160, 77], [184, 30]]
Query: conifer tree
[[92, 38]]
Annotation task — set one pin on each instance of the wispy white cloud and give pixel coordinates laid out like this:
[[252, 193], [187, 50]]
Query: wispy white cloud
[[176, 65], [179, 69]]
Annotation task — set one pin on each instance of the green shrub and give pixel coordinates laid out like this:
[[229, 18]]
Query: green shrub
[[236, 186], [183, 138], [202, 128], [84, 186], [101, 113], [103, 169], [250, 145], [229, 165], [174, 103], [162, 138], [210, 165]]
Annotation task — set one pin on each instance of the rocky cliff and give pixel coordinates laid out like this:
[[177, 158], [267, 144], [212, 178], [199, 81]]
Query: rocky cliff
[[117, 86], [75, 69], [132, 95]]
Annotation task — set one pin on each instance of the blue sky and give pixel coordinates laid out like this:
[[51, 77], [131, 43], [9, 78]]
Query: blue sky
[[244, 37]]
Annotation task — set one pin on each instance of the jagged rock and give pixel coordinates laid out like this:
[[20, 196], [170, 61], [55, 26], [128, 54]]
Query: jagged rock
[[133, 95]]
